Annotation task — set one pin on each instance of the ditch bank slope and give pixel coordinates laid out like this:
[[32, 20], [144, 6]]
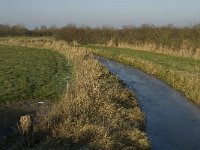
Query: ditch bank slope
[[97, 112]]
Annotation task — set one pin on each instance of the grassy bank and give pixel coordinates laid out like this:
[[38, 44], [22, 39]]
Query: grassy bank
[[97, 112], [181, 73], [31, 73], [186, 49]]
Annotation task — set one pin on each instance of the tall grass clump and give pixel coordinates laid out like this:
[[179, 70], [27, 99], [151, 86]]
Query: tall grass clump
[[97, 112]]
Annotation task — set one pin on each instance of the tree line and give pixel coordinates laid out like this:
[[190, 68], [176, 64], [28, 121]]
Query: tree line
[[21, 30], [168, 36]]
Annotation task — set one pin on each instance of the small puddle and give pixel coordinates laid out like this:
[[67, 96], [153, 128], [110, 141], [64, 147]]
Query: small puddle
[[173, 122]]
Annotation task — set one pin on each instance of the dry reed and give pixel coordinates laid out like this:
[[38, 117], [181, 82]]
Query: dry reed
[[186, 49]]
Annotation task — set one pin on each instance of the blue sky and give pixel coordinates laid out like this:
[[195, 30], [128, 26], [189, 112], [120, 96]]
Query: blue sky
[[99, 12]]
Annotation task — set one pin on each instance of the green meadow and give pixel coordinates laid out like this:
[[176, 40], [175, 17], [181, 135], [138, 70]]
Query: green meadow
[[32, 74]]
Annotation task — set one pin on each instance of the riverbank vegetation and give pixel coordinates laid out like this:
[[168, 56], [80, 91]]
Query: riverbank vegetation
[[97, 112], [181, 73]]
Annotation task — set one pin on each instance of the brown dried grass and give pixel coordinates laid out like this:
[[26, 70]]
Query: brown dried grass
[[186, 49], [97, 112]]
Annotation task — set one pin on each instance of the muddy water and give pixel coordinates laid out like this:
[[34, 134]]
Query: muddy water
[[173, 123]]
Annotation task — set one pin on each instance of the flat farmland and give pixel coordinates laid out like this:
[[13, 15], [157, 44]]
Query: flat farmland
[[32, 74]]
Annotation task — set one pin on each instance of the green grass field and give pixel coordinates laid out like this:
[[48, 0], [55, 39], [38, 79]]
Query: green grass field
[[169, 62], [32, 74]]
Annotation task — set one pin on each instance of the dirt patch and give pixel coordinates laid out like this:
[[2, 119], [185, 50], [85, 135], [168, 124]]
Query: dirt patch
[[10, 114]]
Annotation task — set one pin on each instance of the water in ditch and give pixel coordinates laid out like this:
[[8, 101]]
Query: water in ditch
[[172, 121]]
